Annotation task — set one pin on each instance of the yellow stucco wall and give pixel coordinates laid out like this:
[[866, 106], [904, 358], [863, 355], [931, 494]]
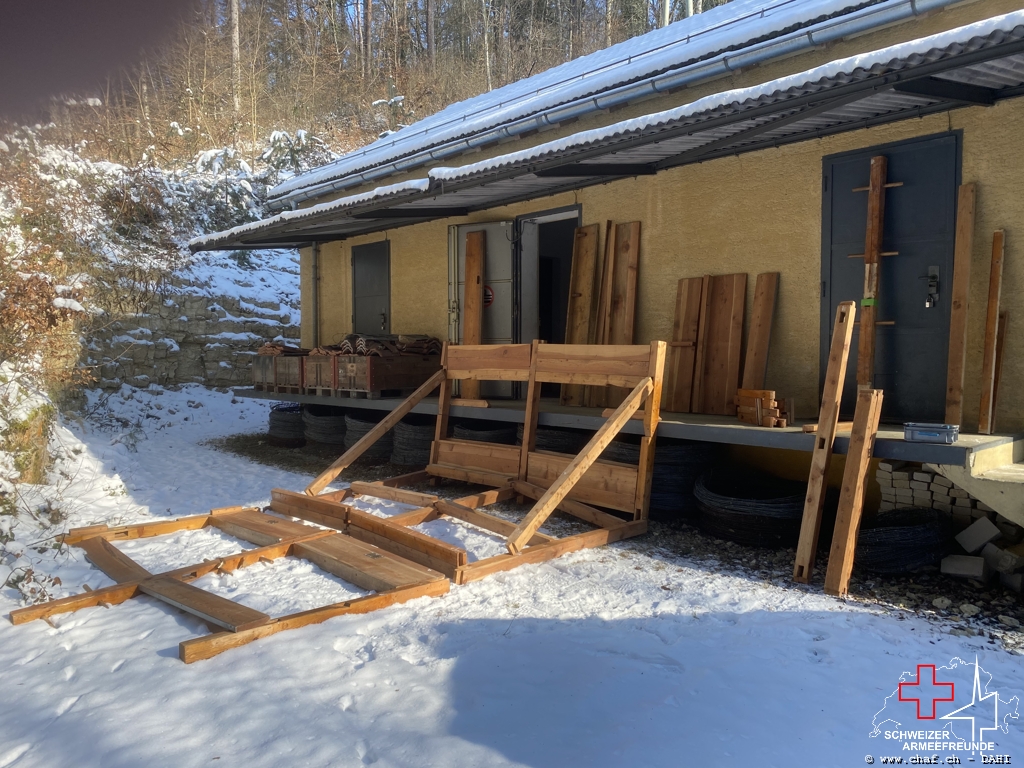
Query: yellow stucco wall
[[753, 213]]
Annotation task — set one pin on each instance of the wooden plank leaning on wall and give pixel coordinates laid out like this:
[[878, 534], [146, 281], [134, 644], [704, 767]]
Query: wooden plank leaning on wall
[[578, 329], [959, 296], [988, 367], [821, 457]]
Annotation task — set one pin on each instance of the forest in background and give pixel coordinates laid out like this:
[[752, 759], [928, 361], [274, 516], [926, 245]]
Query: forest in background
[[345, 71]]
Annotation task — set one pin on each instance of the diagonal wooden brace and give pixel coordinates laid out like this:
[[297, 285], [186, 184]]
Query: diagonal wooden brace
[[578, 467], [324, 478]]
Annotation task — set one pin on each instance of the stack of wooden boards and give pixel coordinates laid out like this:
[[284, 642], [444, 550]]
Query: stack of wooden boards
[[759, 408], [386, 554], [703, 370], [602, 299]]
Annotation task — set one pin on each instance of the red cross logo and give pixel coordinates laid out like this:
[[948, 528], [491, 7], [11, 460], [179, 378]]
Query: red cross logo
[[927, 691]]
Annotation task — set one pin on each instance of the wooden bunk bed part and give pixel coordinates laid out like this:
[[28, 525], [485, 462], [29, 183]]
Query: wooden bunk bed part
[[385, 555]]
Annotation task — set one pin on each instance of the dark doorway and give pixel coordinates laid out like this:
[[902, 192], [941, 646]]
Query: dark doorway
[[371, 288], [555, 239], [556, 243], [912, 337]]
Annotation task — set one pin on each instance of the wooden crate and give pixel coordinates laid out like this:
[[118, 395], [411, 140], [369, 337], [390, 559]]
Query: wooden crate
[[320, 374], [263, 372], [374, 375], [289, 374]]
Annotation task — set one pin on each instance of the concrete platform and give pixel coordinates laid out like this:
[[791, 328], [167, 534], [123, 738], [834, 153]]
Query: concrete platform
[[685, 426]]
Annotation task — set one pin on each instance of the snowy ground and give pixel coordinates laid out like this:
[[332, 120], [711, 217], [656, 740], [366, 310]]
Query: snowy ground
[[621, 656]]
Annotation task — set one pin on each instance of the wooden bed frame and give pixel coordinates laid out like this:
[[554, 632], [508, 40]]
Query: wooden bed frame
[[386, 555]]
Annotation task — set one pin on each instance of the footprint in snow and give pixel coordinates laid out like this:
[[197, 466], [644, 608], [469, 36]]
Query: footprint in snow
[[346, 702], [69, 672], [29, 657], [10, 756], [67, 704], [145, 634], [363, 752], [117, 665]]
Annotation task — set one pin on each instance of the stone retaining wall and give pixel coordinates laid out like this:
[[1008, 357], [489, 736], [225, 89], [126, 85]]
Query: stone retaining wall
[[190, 339]]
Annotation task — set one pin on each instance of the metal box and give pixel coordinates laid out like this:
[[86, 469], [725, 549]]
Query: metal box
[[917, 432]]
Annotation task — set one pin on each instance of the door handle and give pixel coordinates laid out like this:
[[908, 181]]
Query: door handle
[[933, 287], [383, 320]]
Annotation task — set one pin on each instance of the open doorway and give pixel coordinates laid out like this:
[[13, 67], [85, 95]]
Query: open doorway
[[545, 242]]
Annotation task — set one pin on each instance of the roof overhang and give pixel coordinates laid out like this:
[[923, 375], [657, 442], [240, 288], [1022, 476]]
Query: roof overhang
[[979, 64]]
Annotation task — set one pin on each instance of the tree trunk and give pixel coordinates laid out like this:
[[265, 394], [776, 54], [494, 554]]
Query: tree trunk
[[487, 44], [236, 62], [368, 37], [608, 23], [431, 49]]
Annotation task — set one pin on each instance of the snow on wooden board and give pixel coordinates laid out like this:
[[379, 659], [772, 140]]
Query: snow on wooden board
[[628, 655]]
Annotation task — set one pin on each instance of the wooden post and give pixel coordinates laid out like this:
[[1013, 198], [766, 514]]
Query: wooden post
[[532, 412], [622, 310], [697, 395], [652, 414], [851, 499], [581, 300], [828, 419], [473, 301], [444, 404], [755, 366], [988, 367], [1000, 339], [872, 259], [597, 397], [959, 295]]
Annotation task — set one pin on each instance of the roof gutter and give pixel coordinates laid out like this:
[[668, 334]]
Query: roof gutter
[[856, 23]]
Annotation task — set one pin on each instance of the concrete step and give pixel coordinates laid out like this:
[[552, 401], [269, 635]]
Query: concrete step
[[1001, 487]]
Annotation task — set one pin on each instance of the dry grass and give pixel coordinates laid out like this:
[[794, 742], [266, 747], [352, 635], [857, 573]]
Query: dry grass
[[29, 442]]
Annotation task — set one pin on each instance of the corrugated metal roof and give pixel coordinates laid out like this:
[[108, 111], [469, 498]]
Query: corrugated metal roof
[[707, 45], [978, 63]]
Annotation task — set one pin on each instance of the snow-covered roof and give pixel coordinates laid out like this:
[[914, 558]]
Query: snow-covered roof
[[975, 64], [697, 48]]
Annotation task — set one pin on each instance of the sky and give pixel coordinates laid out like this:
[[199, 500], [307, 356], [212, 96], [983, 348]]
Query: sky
[[54, 47]]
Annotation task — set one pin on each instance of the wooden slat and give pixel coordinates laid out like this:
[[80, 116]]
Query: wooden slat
[[412, 478], [244, 559], [487, 457], [498, 362], [581, 299], [118, 593], [577, 468], [851, 498], [415, 516], [371, 437], [400, 495], [727, 302], [485, 521], [872, 265], [136, 531], [480, 477], [364, 565], [821, 456], [700, 355], [988, 366], [318, 510], [112, 561], [436, 549], [959, 301], [473, 301], [190, 651], [405, 552], [209, 607], [259, 528], [462, 402], [755, 365], [607, 483], [680, 360], [541, 552], [578, 509]]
